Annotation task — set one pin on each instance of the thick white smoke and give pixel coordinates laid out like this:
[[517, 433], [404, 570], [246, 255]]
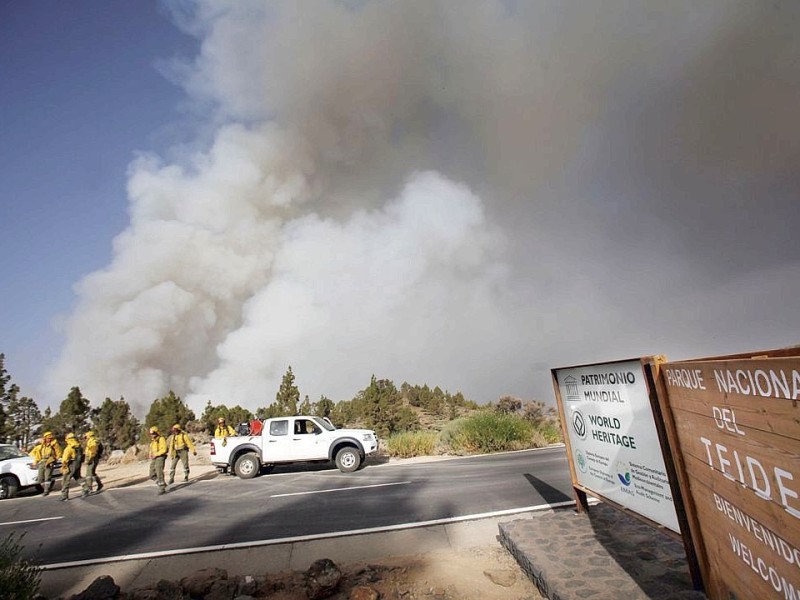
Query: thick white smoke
[[463, 194], [387, 291]]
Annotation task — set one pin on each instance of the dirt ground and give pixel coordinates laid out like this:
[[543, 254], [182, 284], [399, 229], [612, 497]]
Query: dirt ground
[[480, 573], [488, 573], [484, 572]]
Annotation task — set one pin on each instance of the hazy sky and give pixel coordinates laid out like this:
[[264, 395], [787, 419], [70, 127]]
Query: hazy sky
[[464, 194]]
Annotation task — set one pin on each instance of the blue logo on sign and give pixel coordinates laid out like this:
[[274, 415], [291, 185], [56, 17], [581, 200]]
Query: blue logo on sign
[[624, 479], [581, 460]]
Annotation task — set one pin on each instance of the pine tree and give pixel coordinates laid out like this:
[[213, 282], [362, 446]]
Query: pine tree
[[168, 411], [288, 395], [381, 405], [115, 425], [210, 415], [23, 418], [72, 415], [5, 397], [323, 408], [5, 378], [305, 407], [75, 410], [237, 415], [233, 416], [344, 414], [267, 412]]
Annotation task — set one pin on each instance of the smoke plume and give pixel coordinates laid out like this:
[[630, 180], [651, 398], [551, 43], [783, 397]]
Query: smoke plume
[[463, 194]]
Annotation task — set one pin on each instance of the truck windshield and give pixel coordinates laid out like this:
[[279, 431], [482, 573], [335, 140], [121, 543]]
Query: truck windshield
[[324, 423], [7, 452]]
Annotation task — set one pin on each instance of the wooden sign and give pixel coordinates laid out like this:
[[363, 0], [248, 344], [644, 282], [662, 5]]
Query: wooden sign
[[737, 424]]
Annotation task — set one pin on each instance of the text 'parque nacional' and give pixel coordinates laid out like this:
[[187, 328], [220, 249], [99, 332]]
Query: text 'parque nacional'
[[764, 383]]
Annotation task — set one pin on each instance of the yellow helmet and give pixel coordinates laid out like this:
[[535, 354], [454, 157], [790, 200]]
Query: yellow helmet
[[176, 427], [70, 436], [154, 429], [89, 434], [47, 434]]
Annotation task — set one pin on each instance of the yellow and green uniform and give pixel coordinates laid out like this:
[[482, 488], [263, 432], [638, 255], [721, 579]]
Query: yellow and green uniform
[[158, 456], [70, 465], [179, 445], [223, 431], [92, 460], [44, 455]]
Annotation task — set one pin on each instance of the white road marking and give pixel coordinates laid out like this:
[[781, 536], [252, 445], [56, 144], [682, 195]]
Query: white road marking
[[30, 521], [435, 459], [359, 487], [305, 538]]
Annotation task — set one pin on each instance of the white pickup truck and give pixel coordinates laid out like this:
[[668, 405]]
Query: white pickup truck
[[293, 439], [16, 472]]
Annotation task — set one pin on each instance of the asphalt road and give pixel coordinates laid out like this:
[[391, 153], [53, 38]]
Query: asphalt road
[[226, 510]]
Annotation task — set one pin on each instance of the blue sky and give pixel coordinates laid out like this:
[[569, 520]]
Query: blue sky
[[445, 193], [80, 94]]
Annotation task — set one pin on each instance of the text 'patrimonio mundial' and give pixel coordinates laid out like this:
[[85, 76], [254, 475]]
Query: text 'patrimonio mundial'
[[612, 378]]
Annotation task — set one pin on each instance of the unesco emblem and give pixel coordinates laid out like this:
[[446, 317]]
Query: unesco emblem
[[579, 424], [581, 460]]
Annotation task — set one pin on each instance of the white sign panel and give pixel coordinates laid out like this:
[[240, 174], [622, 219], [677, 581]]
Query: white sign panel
[[613, 438]]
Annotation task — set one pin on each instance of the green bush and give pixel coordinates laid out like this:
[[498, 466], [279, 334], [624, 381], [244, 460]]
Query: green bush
[[412, 443], [551, 432], [483, 432], [19, 577], [488, 431], [447, 443]]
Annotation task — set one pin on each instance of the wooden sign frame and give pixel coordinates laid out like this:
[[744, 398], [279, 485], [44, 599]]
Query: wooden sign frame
[[648, 367], [581, 490], [725, 418]]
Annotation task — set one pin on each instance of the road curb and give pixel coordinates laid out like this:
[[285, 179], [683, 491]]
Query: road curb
[[281, 556]]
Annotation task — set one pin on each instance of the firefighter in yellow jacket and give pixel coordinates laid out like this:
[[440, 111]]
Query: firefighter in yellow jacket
[[222, 431], [158, 456], [93, 451], [179, 445], [44, 455], [71, 461]]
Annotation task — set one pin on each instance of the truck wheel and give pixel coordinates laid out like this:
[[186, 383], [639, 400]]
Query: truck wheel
[[347, 460], [247, 466], [8, 487]]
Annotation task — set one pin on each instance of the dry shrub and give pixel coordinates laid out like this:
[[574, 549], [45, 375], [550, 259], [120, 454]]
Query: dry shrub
[[412, 443]]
